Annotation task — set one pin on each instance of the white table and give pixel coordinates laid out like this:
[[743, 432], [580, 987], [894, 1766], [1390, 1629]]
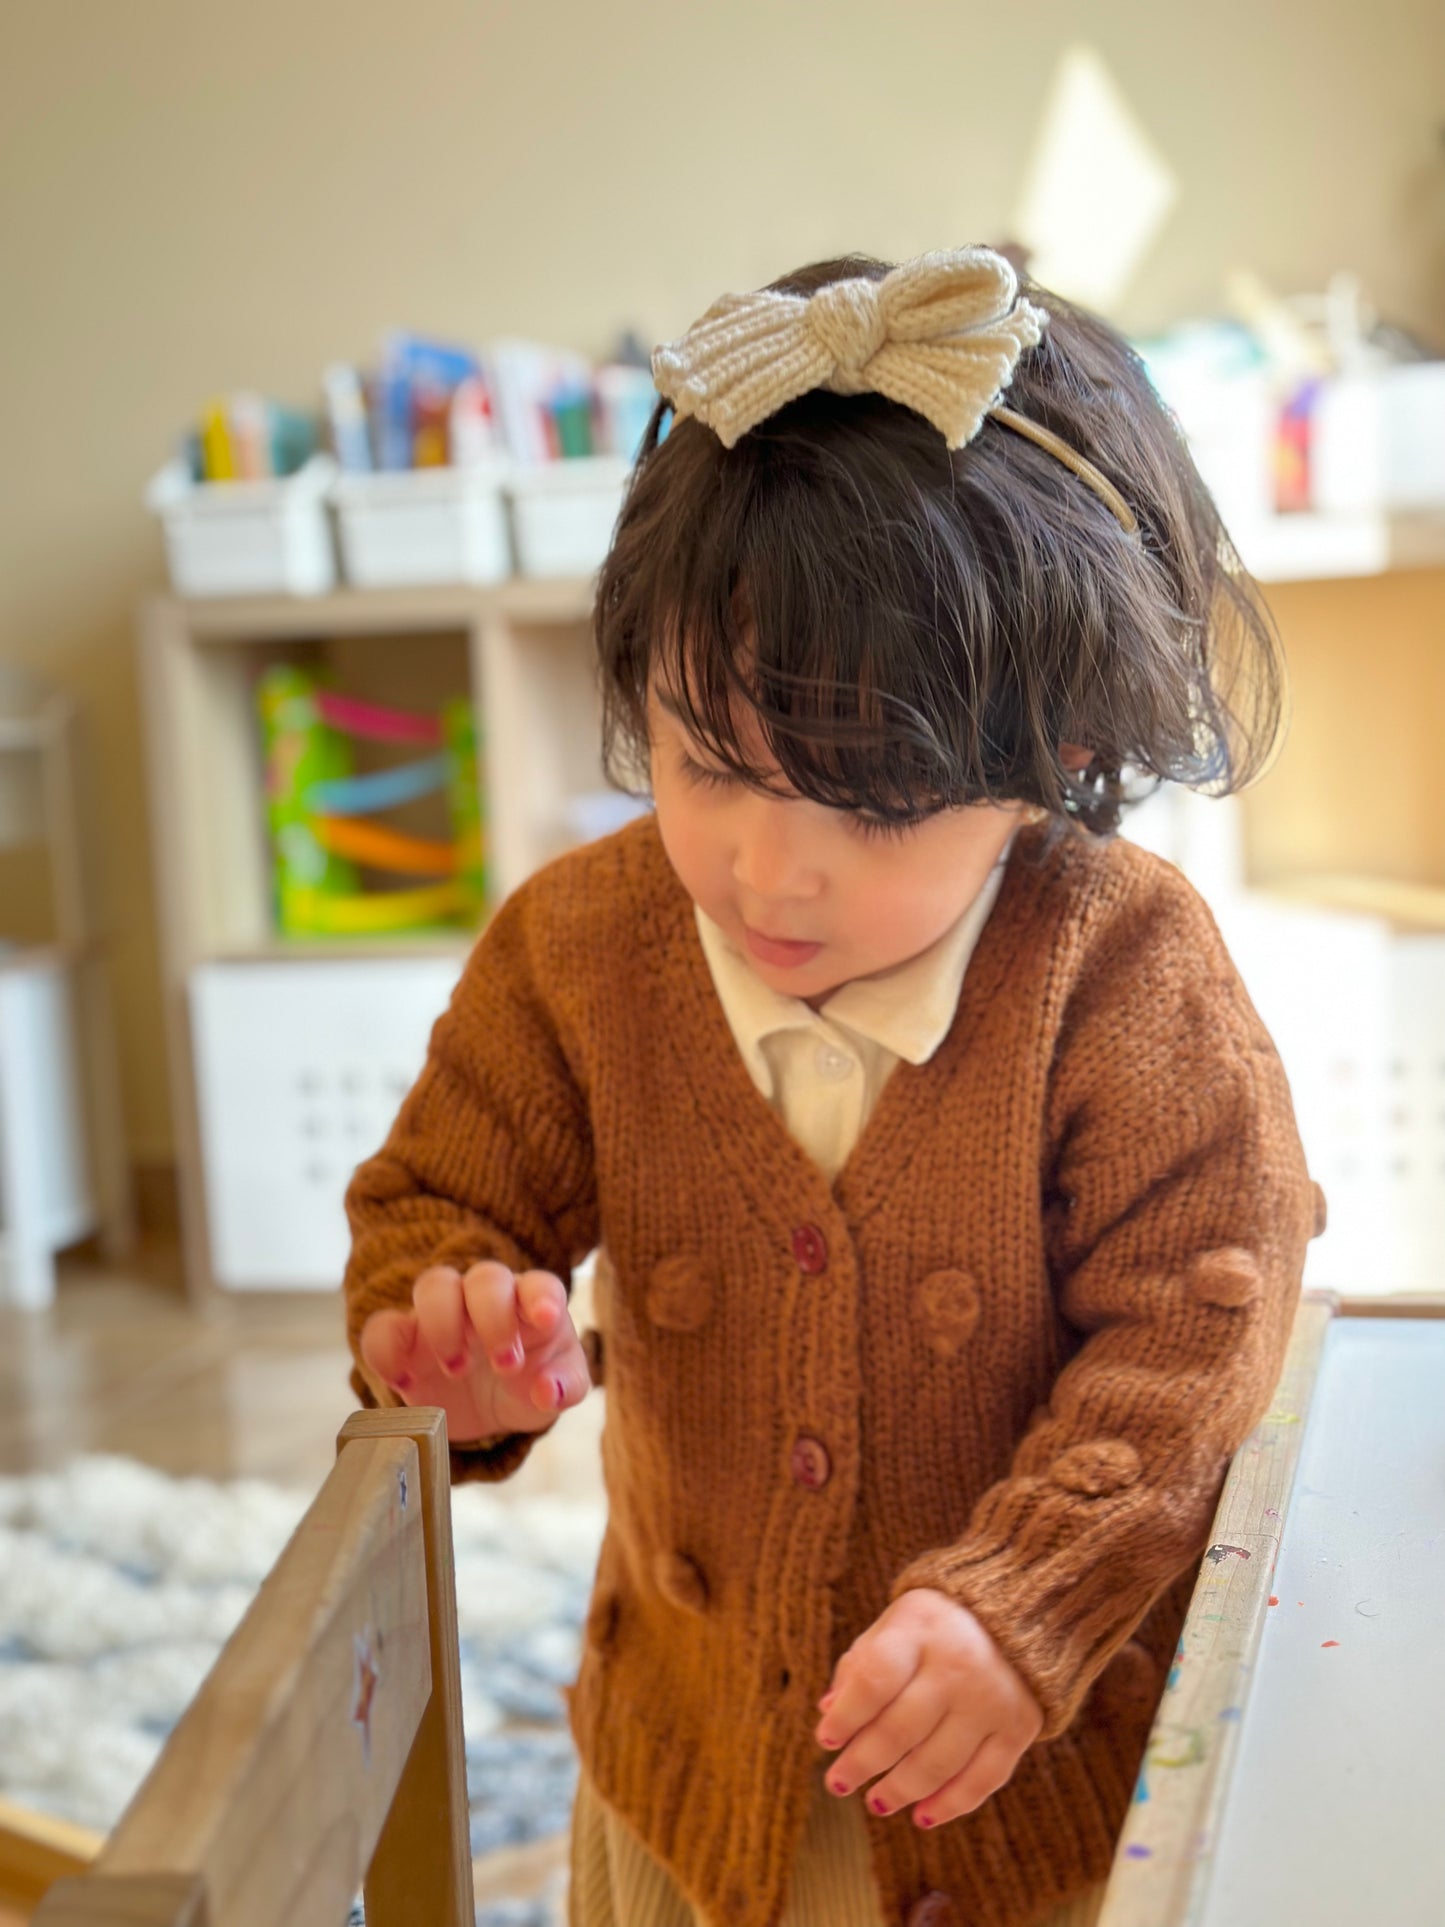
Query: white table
[[1296, 1773]]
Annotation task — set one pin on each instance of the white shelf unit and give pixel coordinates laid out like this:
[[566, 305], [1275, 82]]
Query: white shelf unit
[[63, 1173], [523, 652]]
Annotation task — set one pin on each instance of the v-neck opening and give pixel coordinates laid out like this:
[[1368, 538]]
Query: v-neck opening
[[717, 1068]]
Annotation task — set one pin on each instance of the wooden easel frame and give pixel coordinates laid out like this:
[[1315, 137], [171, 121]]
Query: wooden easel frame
[[324, 1750], [1164, 1858]]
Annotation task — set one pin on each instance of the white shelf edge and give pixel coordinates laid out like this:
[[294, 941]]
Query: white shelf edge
[[524, 599], [337, 949]]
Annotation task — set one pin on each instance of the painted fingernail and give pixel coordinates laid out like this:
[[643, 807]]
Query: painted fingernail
[[504, 1361], [924, 1819], [561, 1391], [458, 1364], [826, 1739], [838, 1786], [879, 1805], [402, 1381]]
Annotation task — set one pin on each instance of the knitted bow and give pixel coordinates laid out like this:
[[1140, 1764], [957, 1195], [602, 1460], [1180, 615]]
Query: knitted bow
[[939, 334]]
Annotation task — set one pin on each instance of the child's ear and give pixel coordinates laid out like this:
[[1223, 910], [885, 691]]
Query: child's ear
[[1075, 758]]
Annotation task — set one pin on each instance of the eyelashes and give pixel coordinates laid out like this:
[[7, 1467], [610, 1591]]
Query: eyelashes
[[880, 828], [704, 778], [871, 828]]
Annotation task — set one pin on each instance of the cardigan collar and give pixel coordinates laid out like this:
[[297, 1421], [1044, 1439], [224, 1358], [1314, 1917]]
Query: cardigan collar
[[907, 1011], [726, 1095]]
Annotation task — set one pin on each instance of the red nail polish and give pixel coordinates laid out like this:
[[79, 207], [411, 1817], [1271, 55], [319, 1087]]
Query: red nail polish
[[561, 1391], [457, 1364], [402, 1382], [837, 1786], [878, 1806], [925, 1819]]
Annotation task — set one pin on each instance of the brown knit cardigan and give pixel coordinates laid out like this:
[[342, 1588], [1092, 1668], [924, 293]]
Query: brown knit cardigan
[[1007, 1355]]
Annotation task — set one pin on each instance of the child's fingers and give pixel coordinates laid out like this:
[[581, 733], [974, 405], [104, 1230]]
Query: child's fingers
[[560, 1375], [543, 1300], [989, 1769], [490, 1294], [914, 1745], [387, 1345], [441, 1316], [869, 1677]]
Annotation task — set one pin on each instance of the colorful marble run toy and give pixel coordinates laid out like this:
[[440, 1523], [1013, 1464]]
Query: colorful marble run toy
[[320, 812]]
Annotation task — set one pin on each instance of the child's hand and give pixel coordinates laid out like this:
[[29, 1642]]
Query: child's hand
[[497, 1352], [926, 1698]]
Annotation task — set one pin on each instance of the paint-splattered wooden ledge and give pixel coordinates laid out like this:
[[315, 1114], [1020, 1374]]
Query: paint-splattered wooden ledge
[[1167, 1858]]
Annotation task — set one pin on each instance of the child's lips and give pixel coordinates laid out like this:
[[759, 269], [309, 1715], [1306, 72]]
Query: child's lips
[[783, 953]]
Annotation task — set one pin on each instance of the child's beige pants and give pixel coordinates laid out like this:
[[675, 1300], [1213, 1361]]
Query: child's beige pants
[[616, 1883]]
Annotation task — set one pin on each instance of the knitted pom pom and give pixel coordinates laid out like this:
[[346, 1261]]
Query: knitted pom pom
[[679, 1295], [680, 1580], [1130, 1685], [603, 1615], [950, 1306], [1096, 1470], [1228, 1277], [1322, 1211], [592, 1350]]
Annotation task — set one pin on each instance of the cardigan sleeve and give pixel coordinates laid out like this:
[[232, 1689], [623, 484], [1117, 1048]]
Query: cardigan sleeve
[[490, 1155], [1178, 1211]]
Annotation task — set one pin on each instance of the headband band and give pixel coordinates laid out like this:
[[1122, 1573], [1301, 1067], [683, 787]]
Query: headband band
[[940, 335]]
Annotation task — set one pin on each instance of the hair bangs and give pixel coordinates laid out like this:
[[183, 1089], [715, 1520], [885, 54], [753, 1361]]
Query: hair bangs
[[840, 607]]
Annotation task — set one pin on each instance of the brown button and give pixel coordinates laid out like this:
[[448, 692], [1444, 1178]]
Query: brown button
[[810, 1248], [934, 1910], [811, 1465]]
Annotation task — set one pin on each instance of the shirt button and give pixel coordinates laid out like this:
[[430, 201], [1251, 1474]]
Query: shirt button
[[812, 1467], [810, 1248], [833, 1064]]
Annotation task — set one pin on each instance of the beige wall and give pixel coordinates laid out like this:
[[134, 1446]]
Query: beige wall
[[194, 198]]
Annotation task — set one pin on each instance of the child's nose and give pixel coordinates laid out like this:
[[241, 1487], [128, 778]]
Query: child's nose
[[772, 860]]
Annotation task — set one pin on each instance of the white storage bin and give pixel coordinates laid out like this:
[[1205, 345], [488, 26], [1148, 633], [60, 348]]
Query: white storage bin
[[300, 1068], [424, 525], [1378, 441], [46, 1196], [563, 513], [247, 538]]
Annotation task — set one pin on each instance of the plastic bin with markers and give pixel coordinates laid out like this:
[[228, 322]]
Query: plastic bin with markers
[[440, 466]]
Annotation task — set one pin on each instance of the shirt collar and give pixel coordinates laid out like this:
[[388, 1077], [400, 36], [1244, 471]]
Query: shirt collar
[[907, 1010]]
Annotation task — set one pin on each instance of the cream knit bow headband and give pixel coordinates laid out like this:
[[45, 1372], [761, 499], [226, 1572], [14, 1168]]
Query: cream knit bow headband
[[940, 334]]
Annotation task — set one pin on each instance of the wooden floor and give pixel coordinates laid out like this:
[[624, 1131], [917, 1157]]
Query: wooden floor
[[122, 1364]]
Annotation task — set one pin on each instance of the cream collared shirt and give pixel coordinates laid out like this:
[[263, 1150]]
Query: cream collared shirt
[[823, 1071]]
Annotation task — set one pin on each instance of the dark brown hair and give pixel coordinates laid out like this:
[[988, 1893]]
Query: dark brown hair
[[915, 628]]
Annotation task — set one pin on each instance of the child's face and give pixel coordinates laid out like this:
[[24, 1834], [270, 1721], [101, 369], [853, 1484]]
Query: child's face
[[813, 897]]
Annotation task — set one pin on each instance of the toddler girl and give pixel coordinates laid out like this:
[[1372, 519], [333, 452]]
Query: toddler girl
[[951, 1204]]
